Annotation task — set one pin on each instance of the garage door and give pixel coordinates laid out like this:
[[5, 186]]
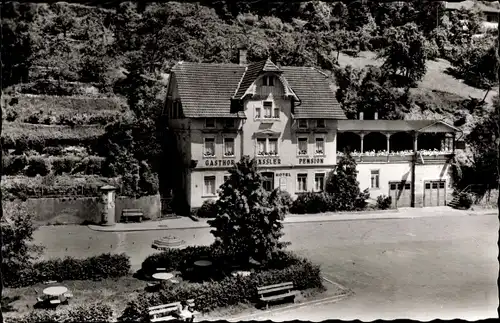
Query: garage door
[[434, 193], [400, 193]]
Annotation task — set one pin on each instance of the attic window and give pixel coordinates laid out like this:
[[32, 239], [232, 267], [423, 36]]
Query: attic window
[[209, 123], [268, 80], [302, 123]]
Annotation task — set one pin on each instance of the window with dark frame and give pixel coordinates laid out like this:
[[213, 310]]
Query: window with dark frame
[[209, 147], [268, 109], [375, 178], [302, 146], [301, 182], [320, 146], [319, 182], [228, 147], [268, 80], [209, 186], [320, 123], [302, 123], [209, 122]]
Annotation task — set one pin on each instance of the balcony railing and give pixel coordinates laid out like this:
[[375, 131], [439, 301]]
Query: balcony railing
[[398, 156]]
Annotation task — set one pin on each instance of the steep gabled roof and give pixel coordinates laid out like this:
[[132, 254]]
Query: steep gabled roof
[[206, 89], [317, 99]]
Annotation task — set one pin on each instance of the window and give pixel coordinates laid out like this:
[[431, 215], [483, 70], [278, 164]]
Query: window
[[320, 146], [258, 113], [267, 147], [427, 186], [276, 113], [209, 187], [268, 108], [228, 147], [209, 123], [302, 146], [228, 123], [375, 178], [261, 146], [407, 186], [268, 80], [302, 123], [301, 182], [209, 149], [320, 123], [319, 182], [273, 146], [441, 184]]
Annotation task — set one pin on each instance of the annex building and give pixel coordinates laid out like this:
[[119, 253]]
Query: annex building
[[289, 119]]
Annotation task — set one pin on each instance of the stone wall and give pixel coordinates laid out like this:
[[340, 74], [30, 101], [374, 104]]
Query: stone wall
[[76, 210]]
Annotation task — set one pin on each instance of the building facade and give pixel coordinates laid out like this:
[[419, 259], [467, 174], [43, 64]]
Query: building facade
[[288, 119]]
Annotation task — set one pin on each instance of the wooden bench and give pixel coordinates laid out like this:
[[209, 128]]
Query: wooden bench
[[275, 292], [162, 313], [128, 214]]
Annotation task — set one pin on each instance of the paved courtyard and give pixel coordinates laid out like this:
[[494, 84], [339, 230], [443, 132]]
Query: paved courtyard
[[422, 268]]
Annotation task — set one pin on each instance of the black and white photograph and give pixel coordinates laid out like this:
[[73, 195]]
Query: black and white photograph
[[234, 160]]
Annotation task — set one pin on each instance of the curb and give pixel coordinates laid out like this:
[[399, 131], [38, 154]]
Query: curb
[[326, 300], [326, 219]]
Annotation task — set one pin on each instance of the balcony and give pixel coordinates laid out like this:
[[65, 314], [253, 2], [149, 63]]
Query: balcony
[[430, 156]]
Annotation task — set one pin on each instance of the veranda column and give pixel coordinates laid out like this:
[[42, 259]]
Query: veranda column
[[388, 136], [362, 136]]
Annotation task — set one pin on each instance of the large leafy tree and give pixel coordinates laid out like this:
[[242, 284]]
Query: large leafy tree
[[248, 223], [405, 55]]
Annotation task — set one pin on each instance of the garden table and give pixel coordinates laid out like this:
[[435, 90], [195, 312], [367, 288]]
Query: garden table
[[163, 276], [241, 273], [203, 263], [55, 290]]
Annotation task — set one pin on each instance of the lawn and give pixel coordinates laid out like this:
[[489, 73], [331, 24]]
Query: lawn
[[116, 292], [435, 79]]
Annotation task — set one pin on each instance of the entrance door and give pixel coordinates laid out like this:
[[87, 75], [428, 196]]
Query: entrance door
[[400, 193], [435, 193], [268, 181]]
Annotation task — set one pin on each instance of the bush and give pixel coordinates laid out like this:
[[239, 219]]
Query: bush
[[93, 268], [83, 313], [53, 151], [37, 166], [64, 165], [228, 291], [174, 259], [14, 165], [384, 202], [285, 199], [207, 210], [465, 200], [311, 203]]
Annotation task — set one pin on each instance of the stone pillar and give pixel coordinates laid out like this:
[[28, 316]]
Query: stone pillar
[[415, 142], [362, 136], [108, 202]]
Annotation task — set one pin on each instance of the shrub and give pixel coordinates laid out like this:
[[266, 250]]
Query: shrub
[[37, 166], [384, 202], [285, 199], [228, 291], [207, 210], [64, 165], [91, 165], [465, 200], [173, 259], [11, 114], [311, 202], [83, 313], [14, 165], [53, 151]]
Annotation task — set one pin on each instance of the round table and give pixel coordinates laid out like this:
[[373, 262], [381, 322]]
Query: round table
[[55, 290], [163, 276], [241, 273], [203, 263]]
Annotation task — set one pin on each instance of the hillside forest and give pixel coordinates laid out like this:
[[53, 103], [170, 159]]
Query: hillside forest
[[83, 86]]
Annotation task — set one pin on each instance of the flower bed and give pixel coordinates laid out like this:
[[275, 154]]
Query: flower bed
[[226, 291]]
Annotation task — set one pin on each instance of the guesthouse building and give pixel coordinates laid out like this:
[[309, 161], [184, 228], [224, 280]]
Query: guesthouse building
[[289, 120]]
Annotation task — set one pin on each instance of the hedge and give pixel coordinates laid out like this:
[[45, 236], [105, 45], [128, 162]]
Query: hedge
[[228, 291], [93, 268], [62, 186], [97, 312], [31, 166], [172, 259]]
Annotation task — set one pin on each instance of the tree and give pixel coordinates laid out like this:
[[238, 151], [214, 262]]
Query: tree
[[18, 252], [248, 223], [343, 184], [405, 55]]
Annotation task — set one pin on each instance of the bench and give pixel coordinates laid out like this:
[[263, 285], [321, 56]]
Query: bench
[[128, 214], [276, 292], [162, 313]]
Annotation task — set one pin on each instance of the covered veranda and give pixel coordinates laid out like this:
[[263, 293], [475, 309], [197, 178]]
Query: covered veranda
[[393, 140]]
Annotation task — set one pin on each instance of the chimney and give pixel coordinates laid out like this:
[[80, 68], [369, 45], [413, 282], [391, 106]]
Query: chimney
[[375, 116], [242, 56], [361, 116]]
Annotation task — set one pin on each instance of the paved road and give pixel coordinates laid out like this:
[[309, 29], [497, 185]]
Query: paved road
[[423, 268]]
